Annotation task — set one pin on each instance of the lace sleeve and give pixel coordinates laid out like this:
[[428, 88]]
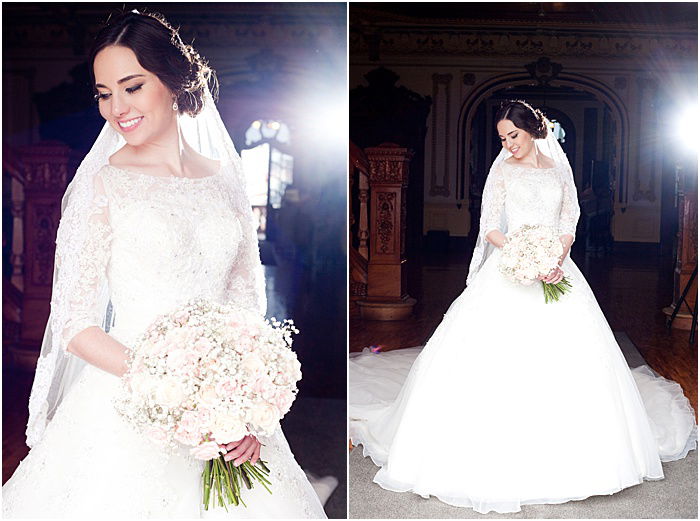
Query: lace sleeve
[[246, 283], [492, 201], [81, 285], [570, 211]]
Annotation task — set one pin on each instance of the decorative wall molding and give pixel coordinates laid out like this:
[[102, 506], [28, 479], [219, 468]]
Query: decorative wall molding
[[209, 34], [442, 136], [469, 79], [417, 41], [647, 166], [544, 70]]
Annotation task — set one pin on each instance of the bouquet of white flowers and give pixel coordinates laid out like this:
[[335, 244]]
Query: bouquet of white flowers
[[210, 374], [529, 252]]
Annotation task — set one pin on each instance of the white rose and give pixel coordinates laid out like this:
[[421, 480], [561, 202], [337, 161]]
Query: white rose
[[176, 360], [168, 392], [252, 364], [227, 428], [264, 416]]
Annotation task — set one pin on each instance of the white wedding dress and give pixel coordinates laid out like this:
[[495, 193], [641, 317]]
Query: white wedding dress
[[161, 241], [513, 401]]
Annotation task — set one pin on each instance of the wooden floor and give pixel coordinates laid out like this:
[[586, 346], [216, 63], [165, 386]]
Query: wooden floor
[[631, 290]]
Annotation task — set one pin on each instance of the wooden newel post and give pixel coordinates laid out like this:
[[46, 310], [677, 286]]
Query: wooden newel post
[[387, 298]]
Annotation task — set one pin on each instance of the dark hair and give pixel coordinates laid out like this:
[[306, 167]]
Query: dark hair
[[160, 50], [524, 117]]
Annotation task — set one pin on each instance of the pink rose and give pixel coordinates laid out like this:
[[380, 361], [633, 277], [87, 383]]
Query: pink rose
[[186, 438], [156, 433], [206, 451], [208, 395], [203, 345], [234, 323], [190, 422], [226, 388], [283, 401], [181, 317], [204, 418]]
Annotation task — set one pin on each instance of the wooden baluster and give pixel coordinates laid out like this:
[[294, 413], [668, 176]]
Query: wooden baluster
[[363, 229], [17, 255]]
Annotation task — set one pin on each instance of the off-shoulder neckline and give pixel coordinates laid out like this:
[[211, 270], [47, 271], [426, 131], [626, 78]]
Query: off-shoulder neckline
[[218, 173]]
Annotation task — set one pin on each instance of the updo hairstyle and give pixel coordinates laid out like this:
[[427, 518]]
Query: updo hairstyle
[[524, 117], [160, 50]]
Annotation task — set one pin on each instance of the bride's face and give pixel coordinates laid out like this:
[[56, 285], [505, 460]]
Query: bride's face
[[514, 139], [133, 100]]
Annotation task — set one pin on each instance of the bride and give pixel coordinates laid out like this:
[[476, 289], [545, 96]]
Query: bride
[[156, 215], [529, 402]]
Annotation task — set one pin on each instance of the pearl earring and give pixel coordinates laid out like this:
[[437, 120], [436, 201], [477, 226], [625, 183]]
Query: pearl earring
[[175, 105]]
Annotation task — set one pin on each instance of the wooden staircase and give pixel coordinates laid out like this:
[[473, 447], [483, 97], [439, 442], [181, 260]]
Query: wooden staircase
[[37, 176]]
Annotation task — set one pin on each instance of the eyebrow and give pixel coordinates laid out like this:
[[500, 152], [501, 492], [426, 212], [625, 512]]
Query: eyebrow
[[119, 82]]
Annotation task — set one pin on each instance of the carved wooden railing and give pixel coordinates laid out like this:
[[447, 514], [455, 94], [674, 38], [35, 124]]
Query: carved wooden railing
[[359, 222], [378, 231], [38, 176]]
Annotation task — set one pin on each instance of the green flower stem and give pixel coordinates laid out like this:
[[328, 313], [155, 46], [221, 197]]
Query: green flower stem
[[261, 476], [206, 477], [552, 292], [222, 481]]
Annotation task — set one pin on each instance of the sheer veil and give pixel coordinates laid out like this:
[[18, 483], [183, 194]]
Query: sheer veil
[[57, 370], [493, 212]]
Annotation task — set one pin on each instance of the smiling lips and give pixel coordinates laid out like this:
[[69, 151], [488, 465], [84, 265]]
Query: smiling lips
[[514, 150], [130, 124]]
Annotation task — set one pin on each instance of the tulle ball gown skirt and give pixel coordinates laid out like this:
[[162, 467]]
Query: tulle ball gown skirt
[[513, 401]]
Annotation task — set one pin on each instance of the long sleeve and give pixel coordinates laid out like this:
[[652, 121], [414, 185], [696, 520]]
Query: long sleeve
[[79, 297], [82, 256], [570, 211], [492, 202], [246, 283]]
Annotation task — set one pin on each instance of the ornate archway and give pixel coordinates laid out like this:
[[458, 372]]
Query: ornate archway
[[599, 90]]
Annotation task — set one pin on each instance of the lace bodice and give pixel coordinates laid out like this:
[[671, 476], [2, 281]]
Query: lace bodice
[[161, 241], [521, 195]]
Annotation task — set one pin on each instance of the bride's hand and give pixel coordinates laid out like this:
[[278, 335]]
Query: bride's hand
[[553, 277], [247, 448]]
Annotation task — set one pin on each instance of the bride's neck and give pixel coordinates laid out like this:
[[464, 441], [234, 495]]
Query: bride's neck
[[168, 150], [533, 159]]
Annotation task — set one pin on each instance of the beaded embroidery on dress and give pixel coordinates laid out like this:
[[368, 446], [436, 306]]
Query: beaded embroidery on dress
[[160, 242]]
